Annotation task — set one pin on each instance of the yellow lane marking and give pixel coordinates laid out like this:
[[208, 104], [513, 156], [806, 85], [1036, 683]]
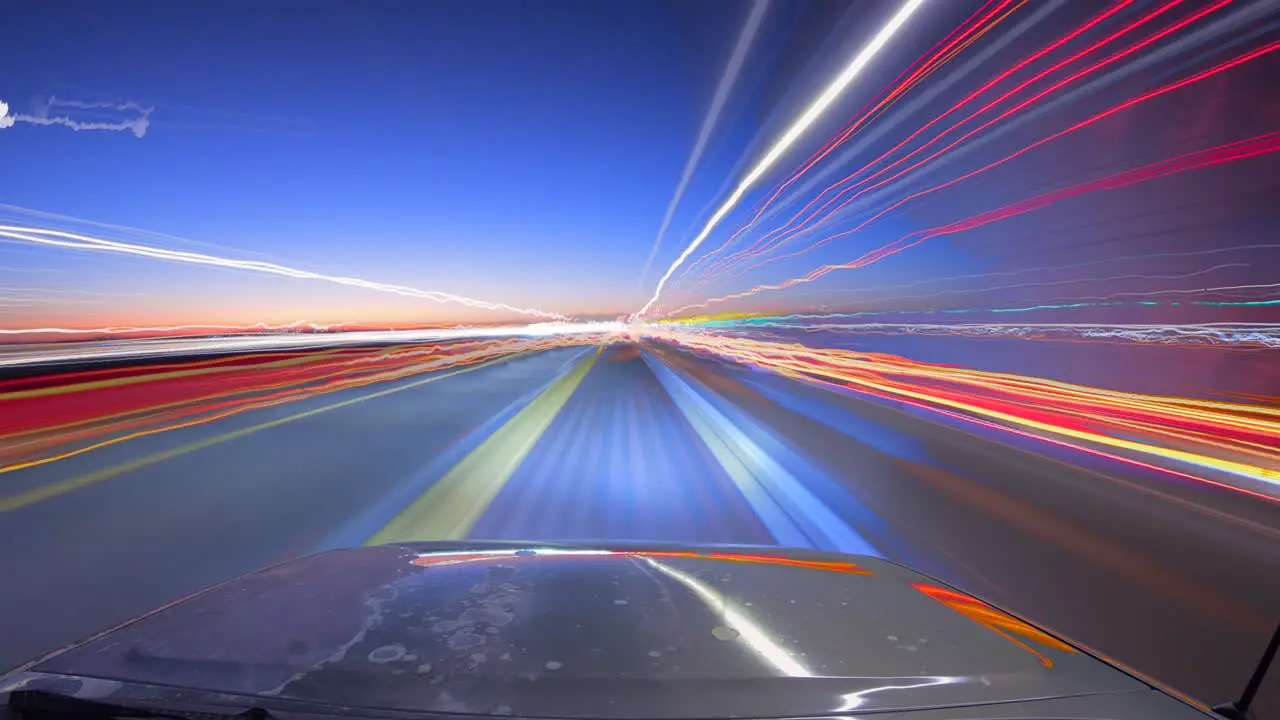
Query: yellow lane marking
[[455, 503], [74, 483]]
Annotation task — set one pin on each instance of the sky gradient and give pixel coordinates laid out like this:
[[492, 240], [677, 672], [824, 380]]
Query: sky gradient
[[526, 153], [504, 151]]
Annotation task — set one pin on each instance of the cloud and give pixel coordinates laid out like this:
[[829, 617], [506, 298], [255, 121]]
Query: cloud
[[55, 101], [137, 124]]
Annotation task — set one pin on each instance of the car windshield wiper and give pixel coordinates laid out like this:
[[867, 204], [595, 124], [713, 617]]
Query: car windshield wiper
[[41, 704]]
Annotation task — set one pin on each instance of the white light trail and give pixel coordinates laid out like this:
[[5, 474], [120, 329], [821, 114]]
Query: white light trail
[[152, 347], [709, 122], [1243, 334], [810, 115], [753, 635], [300, 325], [60, 238], [410, 335], [854, 700]]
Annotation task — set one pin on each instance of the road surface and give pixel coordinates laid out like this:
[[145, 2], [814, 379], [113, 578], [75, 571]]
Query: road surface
[[1176, 579]]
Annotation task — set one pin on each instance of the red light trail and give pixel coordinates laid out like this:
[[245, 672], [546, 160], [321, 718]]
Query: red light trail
[[897, 91], [1241, 150], [44, 418]]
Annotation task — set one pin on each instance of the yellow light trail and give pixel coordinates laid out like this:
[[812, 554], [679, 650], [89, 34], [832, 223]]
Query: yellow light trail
[[1227, 437]]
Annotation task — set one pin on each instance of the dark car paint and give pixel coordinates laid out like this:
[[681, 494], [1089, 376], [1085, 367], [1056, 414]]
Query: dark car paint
[[603, 631]]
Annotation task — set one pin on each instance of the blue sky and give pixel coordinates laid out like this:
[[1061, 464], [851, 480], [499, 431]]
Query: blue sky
[[525, 152], [522, 152]]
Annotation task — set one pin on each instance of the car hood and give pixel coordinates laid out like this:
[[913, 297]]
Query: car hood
[[609, 632]]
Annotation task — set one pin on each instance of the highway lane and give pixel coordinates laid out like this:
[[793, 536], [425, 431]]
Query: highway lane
[[621, 461], [104, 552], [1177, 580]]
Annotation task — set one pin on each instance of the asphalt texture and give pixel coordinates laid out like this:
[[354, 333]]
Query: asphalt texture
[[1175, 579]]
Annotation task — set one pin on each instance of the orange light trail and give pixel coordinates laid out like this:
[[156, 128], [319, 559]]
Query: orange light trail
[[995, 620], [52, 417]]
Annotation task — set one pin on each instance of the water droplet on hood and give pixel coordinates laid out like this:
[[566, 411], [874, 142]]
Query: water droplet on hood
[[724, 633], [386, 654]]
